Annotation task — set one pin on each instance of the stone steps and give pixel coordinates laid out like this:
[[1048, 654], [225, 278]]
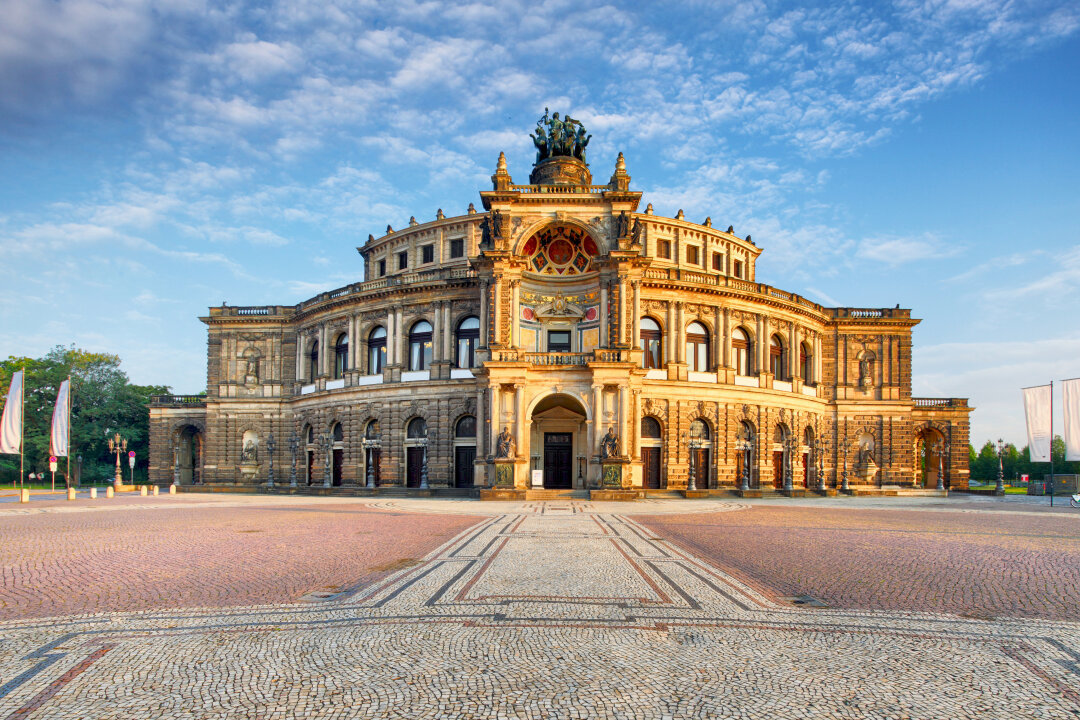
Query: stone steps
[[556, 494]]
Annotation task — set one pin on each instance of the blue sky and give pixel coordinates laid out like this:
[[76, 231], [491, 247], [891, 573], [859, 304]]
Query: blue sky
[[160, 157]]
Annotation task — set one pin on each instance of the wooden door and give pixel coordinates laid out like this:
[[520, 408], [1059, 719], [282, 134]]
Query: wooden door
[[414, 461], [339, 458], [464, 456], [806, 470], [558, 461], [778, 469], [701, 468], [650, 463], [310, 466]]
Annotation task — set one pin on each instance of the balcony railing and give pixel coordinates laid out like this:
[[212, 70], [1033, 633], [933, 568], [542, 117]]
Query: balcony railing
[[561, 358], [940, 402], [178, 400]]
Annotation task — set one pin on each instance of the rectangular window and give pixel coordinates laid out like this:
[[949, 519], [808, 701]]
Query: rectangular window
[[559, 341], [664, 249], [717, 262], [382, 268], [457, 248], [427, 254], [403, 260], [738, 269], [692, 254]]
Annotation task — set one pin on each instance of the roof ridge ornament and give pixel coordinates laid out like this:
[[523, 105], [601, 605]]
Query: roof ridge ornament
[[620, 180], [501, 180]]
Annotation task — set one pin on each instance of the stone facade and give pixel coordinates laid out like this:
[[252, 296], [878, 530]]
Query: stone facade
[[560, 312]]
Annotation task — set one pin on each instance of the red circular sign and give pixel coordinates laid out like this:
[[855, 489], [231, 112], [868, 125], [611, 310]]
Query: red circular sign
[[52, 458], [131, 454]]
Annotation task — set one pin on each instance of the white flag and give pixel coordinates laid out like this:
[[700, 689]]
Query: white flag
[[11, 423], [58, 442], [1037, 404], [1070, 389]]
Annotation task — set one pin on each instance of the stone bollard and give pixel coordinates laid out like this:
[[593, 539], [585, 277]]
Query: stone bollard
[[143, 491], [172, 489], [109, 492], [93, 493], [24, 495], [155, 491], [71, 493]]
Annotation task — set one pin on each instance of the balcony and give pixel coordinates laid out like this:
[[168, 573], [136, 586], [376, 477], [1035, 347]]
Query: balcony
[[562, 359], [940, 402], [192, 401]]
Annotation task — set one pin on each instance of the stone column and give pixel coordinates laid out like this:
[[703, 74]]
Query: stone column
[[604, 337], [448, 334], [515, 297], [672, 335], [324, 351], [436, 333], [620, 330], [718, 345], [793, 356], [817, 359], [519, 434], [636, 319], [598, 420], [484, 314], [727, 359], [299, 357], [496, 417], [399, 341], [624, 418], [680, 328], [481, 427], [497, 299], [354, 342]]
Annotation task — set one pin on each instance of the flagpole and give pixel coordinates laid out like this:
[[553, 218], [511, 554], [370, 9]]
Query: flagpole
[[67, 477], [1051, 443], [22, 424]]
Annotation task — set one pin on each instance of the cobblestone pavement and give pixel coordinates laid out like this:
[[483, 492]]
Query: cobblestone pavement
[[538, 610], [968, 562]]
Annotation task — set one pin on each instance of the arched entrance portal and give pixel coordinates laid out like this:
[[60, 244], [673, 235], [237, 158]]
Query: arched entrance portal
[[929, 446], [559, 441], [189, 447]]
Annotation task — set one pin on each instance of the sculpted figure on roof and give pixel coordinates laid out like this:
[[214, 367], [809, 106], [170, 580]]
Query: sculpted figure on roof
[[555, 137]]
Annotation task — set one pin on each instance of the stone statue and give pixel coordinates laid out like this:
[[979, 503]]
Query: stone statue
[[485, 233], [580, 141], [504, 444], [623, 225], [866, 375], [251, 374], [250, 453], [563, 137], [609, 444], [637, 231], [540, 140], [866, 457]]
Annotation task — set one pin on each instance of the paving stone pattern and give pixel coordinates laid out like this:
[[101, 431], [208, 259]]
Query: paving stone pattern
[[510, 619], [1019, 564]]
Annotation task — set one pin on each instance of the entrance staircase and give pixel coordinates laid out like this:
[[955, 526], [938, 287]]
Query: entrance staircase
[[556, 494]]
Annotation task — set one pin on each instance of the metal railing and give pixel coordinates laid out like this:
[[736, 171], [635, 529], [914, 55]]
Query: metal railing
[[939, 402], [179, 400]]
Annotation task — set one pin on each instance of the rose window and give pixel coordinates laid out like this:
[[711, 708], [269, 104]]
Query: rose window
[[560, 250]]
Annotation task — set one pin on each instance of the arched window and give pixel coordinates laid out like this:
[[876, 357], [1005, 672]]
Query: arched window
[[376, 350], [313, 358], [651, 343], [777, 366], [339, 434], [806, 364], [310, 435], [371, 432], [420, 346], [697, 348], [468, 336], [417, 428], [699, 429], [341, 355], [740, 347], [466, 427], [650, 428]]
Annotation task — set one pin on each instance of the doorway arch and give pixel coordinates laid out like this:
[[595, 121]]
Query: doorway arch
[[189, 455], [559, 440]]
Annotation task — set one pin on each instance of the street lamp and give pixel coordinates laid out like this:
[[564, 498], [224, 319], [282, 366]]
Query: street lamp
[[941, 447], [789, 451], [694, 443], [745, 446], [294, 447], [1000, 489], [270, 447], [131, 466], [843, 477], [118, 445], [328, 445], [424, 463], [819, 463]]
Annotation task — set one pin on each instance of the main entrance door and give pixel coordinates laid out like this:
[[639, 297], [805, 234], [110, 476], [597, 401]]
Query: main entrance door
[[464, 456], [650, 461], [414, 461], [558, 460]]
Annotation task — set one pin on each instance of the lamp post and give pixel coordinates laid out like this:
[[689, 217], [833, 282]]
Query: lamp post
[[423, 461], [131, 466], [118, 445], [1000, 489], [819, 464], [270, 447], [789, 452], [843, 476], [369, 456], [176, 462], [694, 444], [328, 445], [294, 447], [941, 448]]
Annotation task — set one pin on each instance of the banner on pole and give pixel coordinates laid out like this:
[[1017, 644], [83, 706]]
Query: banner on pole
[[11, 425], [1037, 405], [1070, 390], [58, 441]]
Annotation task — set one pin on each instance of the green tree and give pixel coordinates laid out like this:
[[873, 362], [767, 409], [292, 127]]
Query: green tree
[[103, 403]]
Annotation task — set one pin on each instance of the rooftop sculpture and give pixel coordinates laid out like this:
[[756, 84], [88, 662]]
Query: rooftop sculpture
[[559, 137]]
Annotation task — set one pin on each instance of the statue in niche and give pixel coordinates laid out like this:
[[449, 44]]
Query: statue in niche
[[504, 444], [866, 371], [251, 371], [250, 452], [637, 231], [623, 225], [609, 444]]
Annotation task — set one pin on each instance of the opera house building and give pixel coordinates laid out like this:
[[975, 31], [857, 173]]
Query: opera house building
[[560, 335]]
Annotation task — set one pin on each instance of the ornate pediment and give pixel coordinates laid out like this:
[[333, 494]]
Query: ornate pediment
[[559, 308]]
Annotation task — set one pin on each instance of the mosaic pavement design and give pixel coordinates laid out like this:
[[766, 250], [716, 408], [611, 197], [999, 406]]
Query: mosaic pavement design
[[542, 610]]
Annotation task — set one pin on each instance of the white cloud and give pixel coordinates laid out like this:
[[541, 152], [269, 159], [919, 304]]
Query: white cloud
[[900, 250]]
